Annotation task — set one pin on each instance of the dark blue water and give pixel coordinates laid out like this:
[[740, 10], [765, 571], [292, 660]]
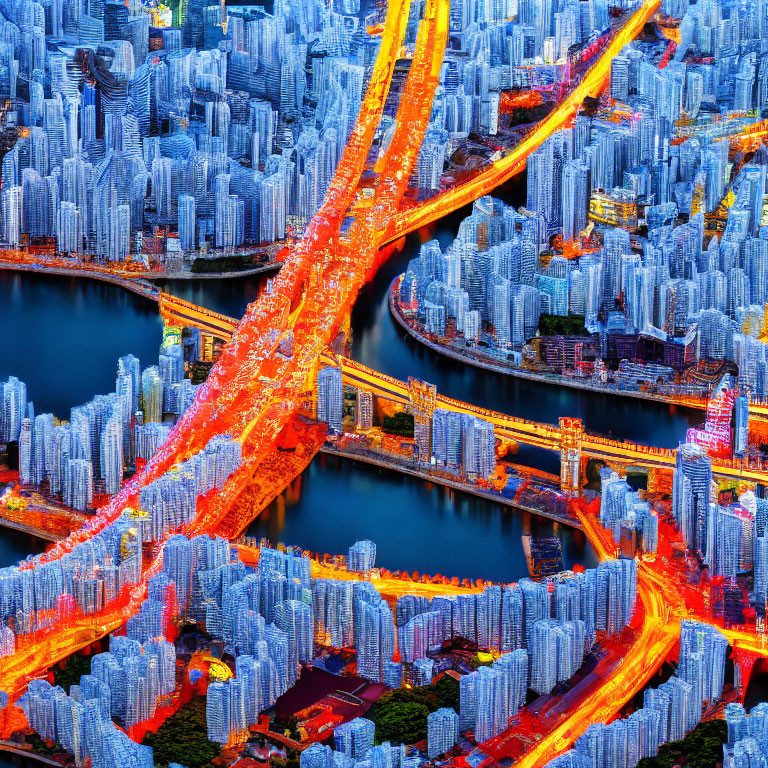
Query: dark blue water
[[379, 342], [62, 336], [229, 296], [416, 526], [15, 545]]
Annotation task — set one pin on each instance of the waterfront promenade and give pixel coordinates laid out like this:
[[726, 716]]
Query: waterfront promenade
[[69, 267], [381, 460]]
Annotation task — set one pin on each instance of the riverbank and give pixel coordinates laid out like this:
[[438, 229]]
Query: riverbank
[[134, 284], [474, 490], [485, 362], [38, 533], [56, 533], [128, 279]]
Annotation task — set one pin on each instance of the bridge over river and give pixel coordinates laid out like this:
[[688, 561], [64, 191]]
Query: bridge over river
[[568, 437]]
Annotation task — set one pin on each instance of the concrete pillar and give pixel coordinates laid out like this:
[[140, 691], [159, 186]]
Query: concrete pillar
[[571, 431], [422, 397]]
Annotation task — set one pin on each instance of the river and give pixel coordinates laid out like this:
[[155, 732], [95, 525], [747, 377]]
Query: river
[[62, 336], [416, 526], [379, 342]]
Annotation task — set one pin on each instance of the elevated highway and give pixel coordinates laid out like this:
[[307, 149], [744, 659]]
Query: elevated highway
[[180, 312], [542, 435], [258, 386], [256, 389]]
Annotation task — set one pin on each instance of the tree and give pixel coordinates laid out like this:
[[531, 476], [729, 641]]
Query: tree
[[69, 673], [562, 325], [447, 690], [403, 724], [396, 709], [701, 748], [183, 738], [400, 424]]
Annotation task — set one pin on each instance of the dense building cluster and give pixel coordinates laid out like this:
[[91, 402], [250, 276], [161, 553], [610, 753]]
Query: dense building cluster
[[624, 512], [225, 134], [355, 749], [668, 712], [497, 48], [747, 745], [126, 685], [74, 461], [273, 617], [671, 269], [102, 568], [632, 295], [220, 133], [82, 724], [731, 538]]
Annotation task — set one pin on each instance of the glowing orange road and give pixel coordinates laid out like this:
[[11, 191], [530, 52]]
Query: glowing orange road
[[246, 383], [255, 389], [38, 652], [539, 434], [72, 631], [512, 163], [659, 633], [664, 606]]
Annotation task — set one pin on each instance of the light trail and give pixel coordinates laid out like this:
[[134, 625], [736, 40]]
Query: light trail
[[512, 163], [254, 390], [662, 608]]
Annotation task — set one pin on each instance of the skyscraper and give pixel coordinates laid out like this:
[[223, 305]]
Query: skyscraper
[[442, 731], [330, 397]]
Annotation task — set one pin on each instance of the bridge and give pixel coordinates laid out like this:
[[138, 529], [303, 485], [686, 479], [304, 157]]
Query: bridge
[[568, 438], [258, 387], [212, 325]]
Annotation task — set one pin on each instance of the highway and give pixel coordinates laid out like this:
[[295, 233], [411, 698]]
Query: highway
[[662, 609], [256, 389], [512, 163]]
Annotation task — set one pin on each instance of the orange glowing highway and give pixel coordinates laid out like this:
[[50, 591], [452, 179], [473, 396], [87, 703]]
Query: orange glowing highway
[[257, 387], [662, 609], [512, 163], [663, 606]]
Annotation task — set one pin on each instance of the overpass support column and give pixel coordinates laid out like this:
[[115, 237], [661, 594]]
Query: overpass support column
[[742, 668], [206, 346], [571, 431], [422, 396]]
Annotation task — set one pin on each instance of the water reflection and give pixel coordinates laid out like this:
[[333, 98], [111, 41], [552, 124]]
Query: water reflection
[[416, 525], [62, 336]]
